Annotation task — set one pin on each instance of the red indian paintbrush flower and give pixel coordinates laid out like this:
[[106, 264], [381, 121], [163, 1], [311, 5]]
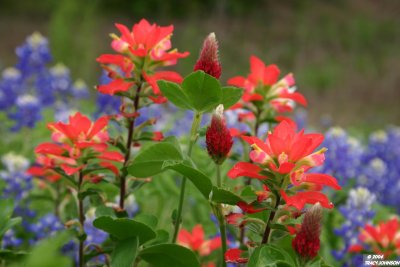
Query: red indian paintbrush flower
[[307, 243], [291, 154], [262, 84], [76, 142], [382, 239], [235, 255], [208, 60], [196, 242], [142, 50], [218, 138]]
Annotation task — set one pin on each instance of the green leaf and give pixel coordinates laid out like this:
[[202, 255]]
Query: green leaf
[[6, 209], [203, 90], [147, 219], [167, 255], [47, 253], [248, 194], [173, 92], [150, 161], [199, 179], [220, 195], [162, 237], [123, 228], [270, 255], [125, 252], [10, 224], [230, 96], [12, 255]]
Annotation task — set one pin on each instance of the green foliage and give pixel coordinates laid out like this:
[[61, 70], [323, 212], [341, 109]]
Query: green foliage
[[124, 228], [167, 255], [6, 211], [125, 252], [200, 92], [48, 253], [270, 256]]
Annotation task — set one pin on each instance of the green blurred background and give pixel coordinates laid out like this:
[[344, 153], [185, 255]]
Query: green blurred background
[[344, 54]]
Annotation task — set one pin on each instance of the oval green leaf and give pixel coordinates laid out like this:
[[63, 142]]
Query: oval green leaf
[[124, 228], [167, 255]]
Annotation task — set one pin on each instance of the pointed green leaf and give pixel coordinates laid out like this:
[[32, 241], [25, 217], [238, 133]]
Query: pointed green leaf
[[167, 255], [230, 96], [270, 255], [203, 90], [173, 92], [125, 252], [199, 179], [123, 228], [223, 196], [150, 161]]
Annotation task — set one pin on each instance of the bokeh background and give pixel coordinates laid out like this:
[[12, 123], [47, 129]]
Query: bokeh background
[[345, 54]]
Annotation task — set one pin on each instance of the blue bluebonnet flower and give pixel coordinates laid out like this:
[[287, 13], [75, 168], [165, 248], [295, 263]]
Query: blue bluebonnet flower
[[131, 206], [382, 169], [34, 54], [31, 86], [17, 182], [10, 240], [357, 213], [46, 226], [10, 87], [343, 158], [27, 112]]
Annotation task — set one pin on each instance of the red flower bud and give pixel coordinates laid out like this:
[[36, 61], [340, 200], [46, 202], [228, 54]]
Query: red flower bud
[[218, 138], [208, 60], [307, 243]]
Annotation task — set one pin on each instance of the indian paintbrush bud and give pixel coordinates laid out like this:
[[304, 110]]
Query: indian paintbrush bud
[[307, 243], [218, 138], [208, 60]]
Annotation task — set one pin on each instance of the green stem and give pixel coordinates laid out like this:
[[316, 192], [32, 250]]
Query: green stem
[[221, 219], [193, 138], [267, 231], [81, 220], [131, 129]]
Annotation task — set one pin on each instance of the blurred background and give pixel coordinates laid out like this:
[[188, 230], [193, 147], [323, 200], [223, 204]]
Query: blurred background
[[345, 54]]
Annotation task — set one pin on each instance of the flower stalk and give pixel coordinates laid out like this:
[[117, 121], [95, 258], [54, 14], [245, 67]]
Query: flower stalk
[[192, 140], [131, 129], [81, 215]]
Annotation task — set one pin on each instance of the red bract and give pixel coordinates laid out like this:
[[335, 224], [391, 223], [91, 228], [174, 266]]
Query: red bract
[[147, 40], [208, 60], [383, 238], [196, 242], [218, 138], [262, 85], [290, 154], [234, 255], [300, 199], [143, 49], [76, 143]]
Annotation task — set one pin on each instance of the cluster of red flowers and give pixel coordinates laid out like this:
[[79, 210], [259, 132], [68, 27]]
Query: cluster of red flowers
[[196, 242], [74, 145], [141, 51], [383, 239], [262, 87], [285, 157]]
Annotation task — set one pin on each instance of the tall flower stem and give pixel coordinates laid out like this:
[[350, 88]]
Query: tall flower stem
[[221, 219], [272, 215], [193, 138], [81, 215], [131, 129]]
